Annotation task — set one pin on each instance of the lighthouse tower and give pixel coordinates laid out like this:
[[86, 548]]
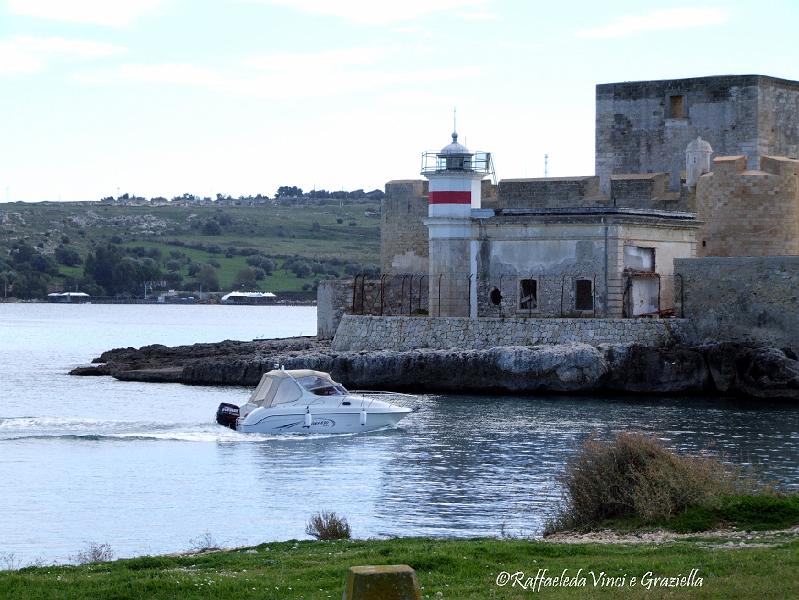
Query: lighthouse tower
[[455, 176]]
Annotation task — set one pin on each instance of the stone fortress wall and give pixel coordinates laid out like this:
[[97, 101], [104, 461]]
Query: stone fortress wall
[[358, 333], [748, 212], [644, 126], [745, 298], [403, 235]]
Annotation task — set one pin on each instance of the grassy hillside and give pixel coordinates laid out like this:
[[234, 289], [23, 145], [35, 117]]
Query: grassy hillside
[[334, 240]]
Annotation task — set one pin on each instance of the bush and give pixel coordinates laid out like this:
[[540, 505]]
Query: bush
[[635, 476], [203, 543], [68, 256], [94, 553], [211, 227], [328, 526]]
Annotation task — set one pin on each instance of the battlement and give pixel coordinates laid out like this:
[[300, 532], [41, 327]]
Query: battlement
[[749, 212], [551, 192]]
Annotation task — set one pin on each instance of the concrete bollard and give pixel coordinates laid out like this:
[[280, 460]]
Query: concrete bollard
[[382, 582]]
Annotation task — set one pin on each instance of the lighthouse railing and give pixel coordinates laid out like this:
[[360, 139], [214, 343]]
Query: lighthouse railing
[[435, 162]]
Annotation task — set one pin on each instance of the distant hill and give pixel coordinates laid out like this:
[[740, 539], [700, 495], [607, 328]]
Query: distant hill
[[270, 247]]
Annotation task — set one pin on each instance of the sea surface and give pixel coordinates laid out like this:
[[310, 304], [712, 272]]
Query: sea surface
[[144, 468]]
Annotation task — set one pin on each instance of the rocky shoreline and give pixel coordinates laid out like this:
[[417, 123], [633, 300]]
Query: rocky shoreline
[[725, 368]]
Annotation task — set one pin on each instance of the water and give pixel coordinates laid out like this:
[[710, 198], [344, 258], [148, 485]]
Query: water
[[144, 468]]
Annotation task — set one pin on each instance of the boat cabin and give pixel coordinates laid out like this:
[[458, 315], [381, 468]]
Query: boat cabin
[[281, 387]]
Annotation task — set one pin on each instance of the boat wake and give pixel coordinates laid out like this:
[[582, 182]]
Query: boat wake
[[16, 429]]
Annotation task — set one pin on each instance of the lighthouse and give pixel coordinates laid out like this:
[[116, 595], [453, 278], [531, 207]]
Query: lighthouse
[[455, 175]]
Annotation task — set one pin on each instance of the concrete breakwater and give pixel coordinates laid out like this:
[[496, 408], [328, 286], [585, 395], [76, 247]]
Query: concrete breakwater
[[722, 368]]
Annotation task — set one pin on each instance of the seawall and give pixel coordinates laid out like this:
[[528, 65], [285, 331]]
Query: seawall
[[360, 332], [751, 299]]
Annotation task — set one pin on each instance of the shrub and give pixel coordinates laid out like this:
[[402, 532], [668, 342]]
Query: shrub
[[94, 553], [328, 526], [68, 256], [211, 227], [203, 543], [9, 562], [635, 476]]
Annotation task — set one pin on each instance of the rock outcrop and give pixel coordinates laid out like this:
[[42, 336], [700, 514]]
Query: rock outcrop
[[725, 368]]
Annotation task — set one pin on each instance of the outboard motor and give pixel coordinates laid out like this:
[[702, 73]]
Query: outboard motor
[[227, 415]]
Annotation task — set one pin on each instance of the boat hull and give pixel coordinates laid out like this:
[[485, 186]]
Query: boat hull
[[324, 422]]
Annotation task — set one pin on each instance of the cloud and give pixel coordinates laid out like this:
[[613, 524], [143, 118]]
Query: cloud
[[374, 12], [272, 82], [110, 13], [26, 54], [314, 61], [659, 20]]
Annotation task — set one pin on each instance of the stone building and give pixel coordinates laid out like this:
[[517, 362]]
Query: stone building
[[601, 246], [645, 126]]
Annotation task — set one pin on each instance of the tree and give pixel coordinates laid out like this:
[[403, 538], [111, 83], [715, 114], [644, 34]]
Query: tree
[[246, 278], [100, 266], [207, 279], [288, 191], [67, 256], [173, 279], [120, 274]]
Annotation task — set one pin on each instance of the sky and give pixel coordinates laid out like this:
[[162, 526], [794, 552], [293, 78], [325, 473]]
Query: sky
[[166, 97]]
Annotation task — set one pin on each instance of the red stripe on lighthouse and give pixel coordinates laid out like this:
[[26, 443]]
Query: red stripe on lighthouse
[[450, 198]]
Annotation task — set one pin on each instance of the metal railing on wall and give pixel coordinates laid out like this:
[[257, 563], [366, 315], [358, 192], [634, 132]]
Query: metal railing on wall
[[411, 294]]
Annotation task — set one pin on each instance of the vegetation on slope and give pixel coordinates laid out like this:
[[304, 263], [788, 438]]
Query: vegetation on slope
[[272, 247]]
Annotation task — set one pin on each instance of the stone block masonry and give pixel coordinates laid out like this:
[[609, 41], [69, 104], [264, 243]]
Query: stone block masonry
[[403, 235], [644, 126], [748, 212], [746, 299], [357, 333]]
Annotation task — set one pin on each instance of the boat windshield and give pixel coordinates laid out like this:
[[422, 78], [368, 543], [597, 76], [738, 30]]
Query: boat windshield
[[321, 386]]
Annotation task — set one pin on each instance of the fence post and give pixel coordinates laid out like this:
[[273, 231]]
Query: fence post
[[354, 286], [469, 295], [382, 285], [439, 293]]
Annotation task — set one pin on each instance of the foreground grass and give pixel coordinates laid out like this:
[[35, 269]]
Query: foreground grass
[[455, 568], [743, 512]]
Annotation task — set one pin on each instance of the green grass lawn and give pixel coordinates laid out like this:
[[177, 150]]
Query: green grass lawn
[[456, 568]]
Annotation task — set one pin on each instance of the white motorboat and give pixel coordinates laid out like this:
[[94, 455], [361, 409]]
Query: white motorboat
[[305, 401]]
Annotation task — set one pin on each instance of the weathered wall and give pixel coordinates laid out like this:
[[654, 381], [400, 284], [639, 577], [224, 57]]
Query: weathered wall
[[403, 236], [740, 114], [551, 192], [778, 118], [405, 294], [747, 212], [669, 243], [555, 254], [743, 298], [558, 249], [333, 297], [406, 333], [645, 191]]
